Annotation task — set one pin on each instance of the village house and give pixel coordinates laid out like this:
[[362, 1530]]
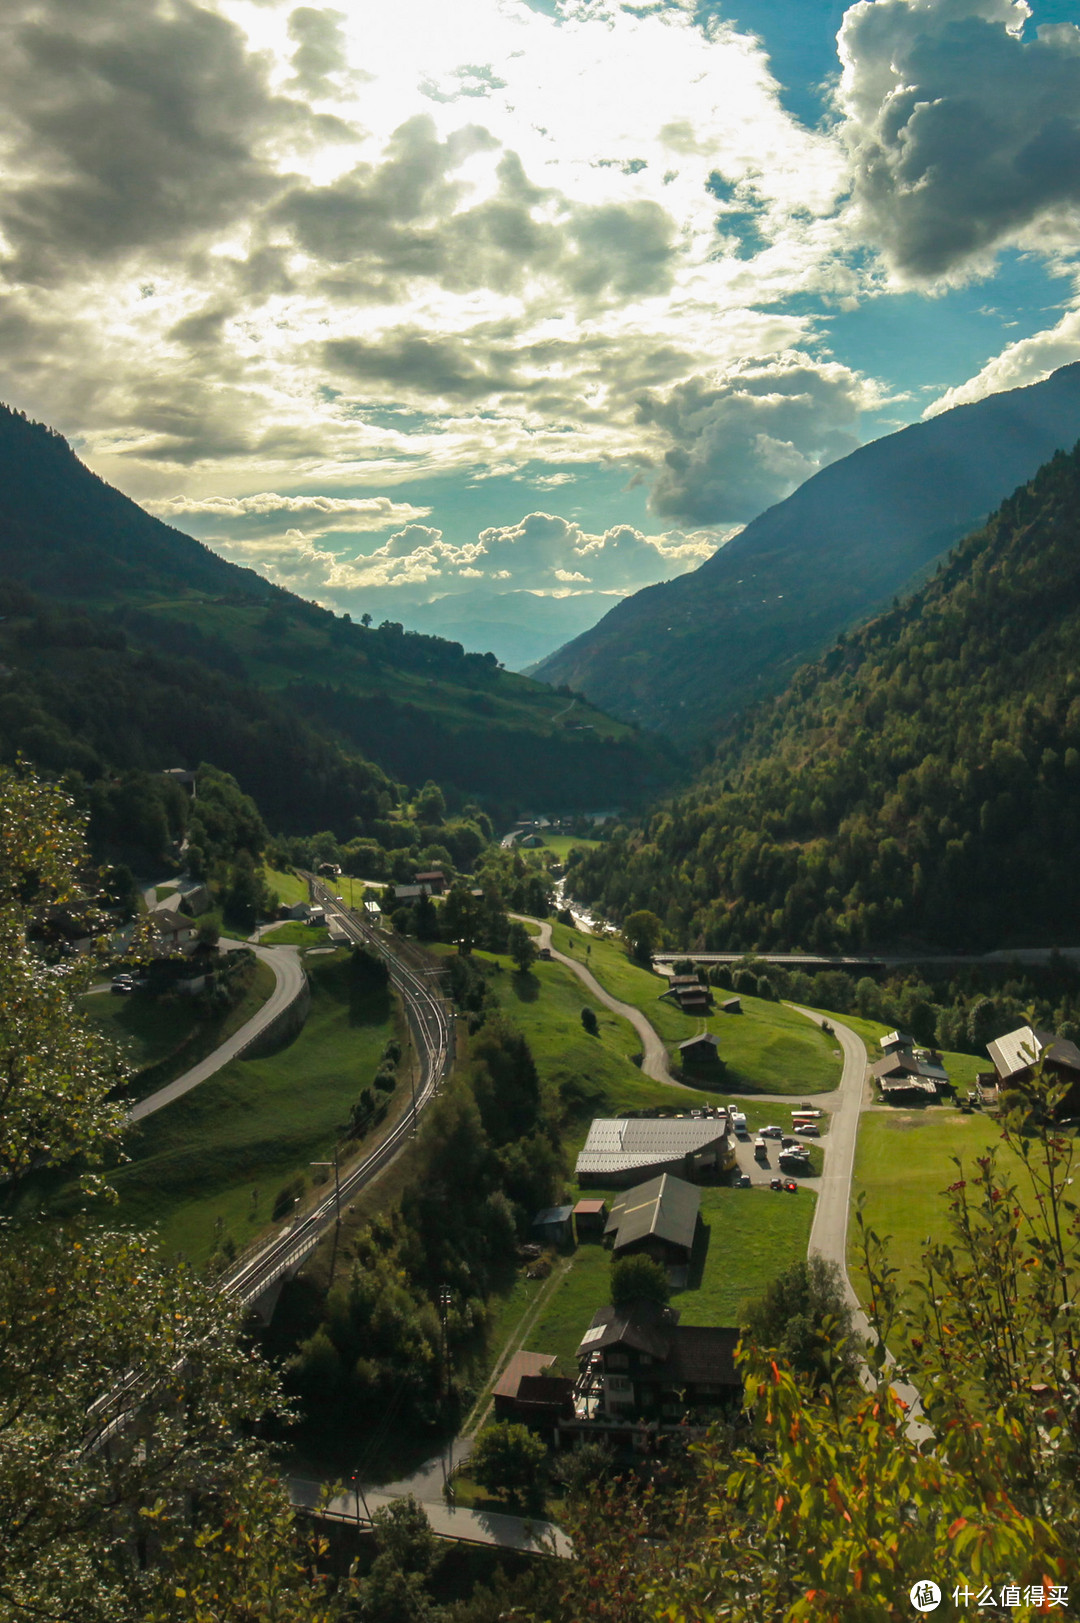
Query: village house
[[173, 931], [907, 1072], [434, 879], [1014, 1057], [639, 1361], [658, 1219], [526, 1392]]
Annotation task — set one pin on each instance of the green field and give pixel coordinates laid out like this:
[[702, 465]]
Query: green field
[[903, 1162], [768, 1048], [747, 1237], [171, 1035], [210, 1165], [560, 845], [290, 889], [294, 934], [546, 1005]]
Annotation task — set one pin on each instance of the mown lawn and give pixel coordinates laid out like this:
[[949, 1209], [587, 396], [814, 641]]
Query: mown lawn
[[294, 934], [210, 1165], [903, 1164], [747, 1237]]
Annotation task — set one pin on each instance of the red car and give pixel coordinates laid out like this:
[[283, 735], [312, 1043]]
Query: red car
[[791, 1186]]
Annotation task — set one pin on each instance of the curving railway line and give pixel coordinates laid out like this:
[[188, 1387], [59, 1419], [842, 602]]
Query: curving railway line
[[431, 1022]]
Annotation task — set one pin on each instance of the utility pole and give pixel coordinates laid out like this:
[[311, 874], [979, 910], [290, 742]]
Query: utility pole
[[337, 1182]]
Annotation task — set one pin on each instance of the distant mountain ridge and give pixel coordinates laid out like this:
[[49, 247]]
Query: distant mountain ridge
[[686, 656], [917, 785], [173, 655], [65, 533]]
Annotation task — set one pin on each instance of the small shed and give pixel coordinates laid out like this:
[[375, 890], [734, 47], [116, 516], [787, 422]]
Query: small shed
[[693, 997], [731, 1005], [435, 880], [700, 1050], [590, 1217], [554, 1225], [526, 1392], [297, 910]]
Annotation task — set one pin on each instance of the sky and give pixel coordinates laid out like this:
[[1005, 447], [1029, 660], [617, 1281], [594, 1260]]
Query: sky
[[481, 316]]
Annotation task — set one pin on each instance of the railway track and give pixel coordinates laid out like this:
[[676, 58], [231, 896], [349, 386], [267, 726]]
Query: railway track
[[432, 1025]]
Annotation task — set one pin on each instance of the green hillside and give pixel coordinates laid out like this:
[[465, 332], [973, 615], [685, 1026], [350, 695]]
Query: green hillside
[[152, 651], [918, 784]]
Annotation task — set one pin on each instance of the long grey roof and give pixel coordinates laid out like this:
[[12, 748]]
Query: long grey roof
[[619, 1144], [665, 1206]]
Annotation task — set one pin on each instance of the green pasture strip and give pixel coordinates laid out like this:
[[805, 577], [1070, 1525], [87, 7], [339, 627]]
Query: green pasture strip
[[561, 845], [294, 934]]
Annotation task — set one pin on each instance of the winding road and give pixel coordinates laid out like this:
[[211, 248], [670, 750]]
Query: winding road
[[288, 979], [654, 1054]]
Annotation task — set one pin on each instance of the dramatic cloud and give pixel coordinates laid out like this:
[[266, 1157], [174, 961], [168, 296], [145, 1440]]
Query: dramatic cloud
[[747, 440], [547, 553], [1029, 360], [128, 124], [264, 514], [256, 246], [963, 136]]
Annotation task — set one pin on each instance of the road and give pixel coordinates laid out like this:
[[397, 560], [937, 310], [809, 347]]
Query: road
[[288, 979], [465, 1526]]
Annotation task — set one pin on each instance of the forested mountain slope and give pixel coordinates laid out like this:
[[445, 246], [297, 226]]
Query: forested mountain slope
[[688, 655], [157, 652], [920, 783]]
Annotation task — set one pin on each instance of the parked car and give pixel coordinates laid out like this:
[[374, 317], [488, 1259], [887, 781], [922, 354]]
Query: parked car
[[122, 984], [808, 1129], [776, 1183], [738, 1122], [744, 1181], [761, 1149], [792, 1187], [772, 1132]]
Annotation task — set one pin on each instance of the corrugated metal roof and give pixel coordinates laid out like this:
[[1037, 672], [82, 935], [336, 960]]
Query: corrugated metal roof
[[620, 1144]]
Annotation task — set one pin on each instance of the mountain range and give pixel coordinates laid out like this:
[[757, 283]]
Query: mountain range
[[687, 656], [917, 785], [128, 645]]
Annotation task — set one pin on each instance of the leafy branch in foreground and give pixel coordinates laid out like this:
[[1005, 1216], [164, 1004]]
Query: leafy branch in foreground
[[129, 1487]]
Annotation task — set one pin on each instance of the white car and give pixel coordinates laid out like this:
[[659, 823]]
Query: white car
[[772, 1132]]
